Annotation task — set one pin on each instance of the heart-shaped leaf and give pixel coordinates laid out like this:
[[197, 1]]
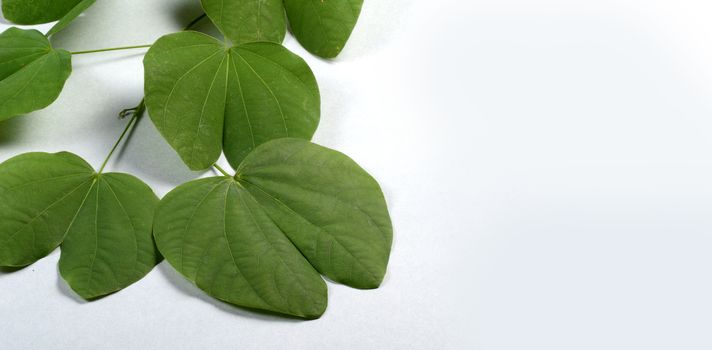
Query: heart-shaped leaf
[[323, 26], [36, 11], [215, 233], [102, 221], [32, 73], [71, 16], [203, 96], [244, 21], [258, 239]]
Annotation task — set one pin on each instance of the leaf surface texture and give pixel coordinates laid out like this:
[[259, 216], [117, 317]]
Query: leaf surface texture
[[245, 21], [323, 26], [31, 12]]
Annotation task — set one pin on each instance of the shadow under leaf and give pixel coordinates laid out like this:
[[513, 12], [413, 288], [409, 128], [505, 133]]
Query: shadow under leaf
[[8, 270], [12, 130]]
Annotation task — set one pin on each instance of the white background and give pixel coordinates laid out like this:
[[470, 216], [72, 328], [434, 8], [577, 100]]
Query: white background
[[547, 165]]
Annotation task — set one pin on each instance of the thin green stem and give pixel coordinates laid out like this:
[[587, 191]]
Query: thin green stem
[[188, 27], [194, 22], [221, 170], [111, 49], [116, 145], [138, 111]]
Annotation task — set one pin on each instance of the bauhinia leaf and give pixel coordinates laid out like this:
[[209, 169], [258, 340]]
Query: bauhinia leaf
[[260, 239], [71, 16], [40, 195], [216, 234], [110, 245], [36, 11], [203, 96], [323, 26], [102, 221], [327, 205], [244, 21], [32, 73]]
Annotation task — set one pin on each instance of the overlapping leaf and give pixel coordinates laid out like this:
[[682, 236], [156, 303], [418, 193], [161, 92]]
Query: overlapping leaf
[[260, 239], [102, 221], [205, 97], [323, 26], [37, 11], [32, 73], [244, 21], [215, 233]]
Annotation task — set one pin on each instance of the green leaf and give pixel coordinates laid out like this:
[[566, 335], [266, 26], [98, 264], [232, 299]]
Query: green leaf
[[203, 96], [39, 197], [36, 11], [215, 233], [258, 239], [32, 73], [110, 246], [71, 16], [102, 221], [323, 26], [327, 205], [244, 21]]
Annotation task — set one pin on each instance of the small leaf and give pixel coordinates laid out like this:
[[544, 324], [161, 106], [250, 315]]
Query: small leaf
[[258, 239], [36, 11], [323, 26], [244, 21], [71, 16], [103, 221], [203, 96], [32, 73]]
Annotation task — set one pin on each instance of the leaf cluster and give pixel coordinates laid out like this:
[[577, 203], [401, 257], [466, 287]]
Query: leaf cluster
[[262, 238]]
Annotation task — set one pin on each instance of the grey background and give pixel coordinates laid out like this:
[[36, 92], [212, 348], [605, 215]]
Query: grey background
[[547, 165]]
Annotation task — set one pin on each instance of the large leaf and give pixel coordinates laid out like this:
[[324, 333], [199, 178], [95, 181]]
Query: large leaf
[[203, 96], [327, 205], [244, 21], [71, 16], [258, 239], [36, 11], [102, 221], [323, 26], [32, 73]]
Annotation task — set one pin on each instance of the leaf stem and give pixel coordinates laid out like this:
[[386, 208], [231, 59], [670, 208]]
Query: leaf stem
[[136, 113], [111, 49], [188, 27], [221, 170]]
